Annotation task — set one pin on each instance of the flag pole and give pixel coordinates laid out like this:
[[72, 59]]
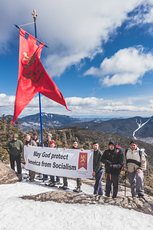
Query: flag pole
[[34, 17]]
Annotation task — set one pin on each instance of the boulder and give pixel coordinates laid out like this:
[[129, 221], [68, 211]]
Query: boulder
[[7, 175]]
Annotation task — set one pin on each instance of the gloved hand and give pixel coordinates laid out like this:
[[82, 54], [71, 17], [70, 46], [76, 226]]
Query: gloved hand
[[115, 166], [107, 162]]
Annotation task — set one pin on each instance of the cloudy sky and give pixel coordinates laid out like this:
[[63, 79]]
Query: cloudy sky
[[100, 55]]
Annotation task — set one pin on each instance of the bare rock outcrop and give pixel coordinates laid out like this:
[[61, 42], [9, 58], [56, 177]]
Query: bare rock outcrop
[[138, 204], [7, 175]]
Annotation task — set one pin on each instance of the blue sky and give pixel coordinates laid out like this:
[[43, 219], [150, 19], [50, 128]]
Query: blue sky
[[100, 55]]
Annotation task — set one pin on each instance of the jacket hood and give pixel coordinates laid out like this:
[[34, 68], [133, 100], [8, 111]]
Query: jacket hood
[[112, 142]]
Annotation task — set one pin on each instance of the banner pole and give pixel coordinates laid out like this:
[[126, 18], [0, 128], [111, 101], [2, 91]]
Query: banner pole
[[34, 17]]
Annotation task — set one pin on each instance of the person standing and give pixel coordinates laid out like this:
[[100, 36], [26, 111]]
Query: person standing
[[35, 138], [52, 180], [47, 144], [14, 149], [30, 142], [98, 168], [79, 181], [113, 160], [135, 164]]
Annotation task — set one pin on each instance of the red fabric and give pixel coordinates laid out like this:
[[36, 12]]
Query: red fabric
[[82, 160], [32, 77]]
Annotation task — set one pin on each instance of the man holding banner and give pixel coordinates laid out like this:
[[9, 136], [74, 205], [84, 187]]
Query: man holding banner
[[98, 168], [28, 143], [65, 183]]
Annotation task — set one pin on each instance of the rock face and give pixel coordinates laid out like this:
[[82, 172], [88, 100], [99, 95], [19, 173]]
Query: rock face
[[7, 175], [138, 204]]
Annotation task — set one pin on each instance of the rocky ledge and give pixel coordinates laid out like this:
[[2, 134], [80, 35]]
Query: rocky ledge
[[7, 175], [138, 204]]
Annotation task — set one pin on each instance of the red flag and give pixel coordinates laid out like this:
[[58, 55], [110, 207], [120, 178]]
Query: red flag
[[32, 77], [82, 160]]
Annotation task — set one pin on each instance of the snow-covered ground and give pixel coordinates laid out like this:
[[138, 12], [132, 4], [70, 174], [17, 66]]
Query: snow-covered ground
[[16, 213]]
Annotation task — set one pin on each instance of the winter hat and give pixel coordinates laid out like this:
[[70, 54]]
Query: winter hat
[[49, 134], [112, 143], [15, 135], [52, 142], [95, 142], [133, 142], [75, 141]]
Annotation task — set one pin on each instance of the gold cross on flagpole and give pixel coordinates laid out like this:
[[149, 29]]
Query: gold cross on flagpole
[[34, 14]]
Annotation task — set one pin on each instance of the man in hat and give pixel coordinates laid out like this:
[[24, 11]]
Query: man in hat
[[47, 142], [14, 149], [98, 168], [135, 164], [113, 160]]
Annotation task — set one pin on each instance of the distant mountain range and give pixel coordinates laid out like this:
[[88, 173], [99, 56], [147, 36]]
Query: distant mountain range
[[55, 120], [141, 128], [48, 119], [138, 127]]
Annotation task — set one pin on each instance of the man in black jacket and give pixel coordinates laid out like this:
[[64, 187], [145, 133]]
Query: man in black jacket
[[113, 160]]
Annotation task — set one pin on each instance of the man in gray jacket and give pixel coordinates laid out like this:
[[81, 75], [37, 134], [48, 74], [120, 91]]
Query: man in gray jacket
[[135, 164]]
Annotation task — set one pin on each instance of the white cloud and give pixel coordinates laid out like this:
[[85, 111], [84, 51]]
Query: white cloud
[[73, 30], [127, 66], [143, 14], [87, 107]]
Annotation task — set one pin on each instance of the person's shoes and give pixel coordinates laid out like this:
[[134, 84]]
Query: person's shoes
[[51, 184], [63, 187], [20, 177], [39, 177], [140, 195], [77, 190], [31, 180], [58, 183]]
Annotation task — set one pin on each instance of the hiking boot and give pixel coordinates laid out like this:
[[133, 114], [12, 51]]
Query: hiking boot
[[58, 183], [77, 190], [20, 177], [31, 180], [140, 195], [63, 187], [52, 184]]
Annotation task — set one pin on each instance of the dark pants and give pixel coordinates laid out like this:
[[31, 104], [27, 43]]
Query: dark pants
[[57, 178], [111, 178], [65, 181], [79, 182], [18, 163], [98, 186]]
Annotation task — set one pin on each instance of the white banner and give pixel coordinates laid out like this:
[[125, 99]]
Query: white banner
[[59, 162]]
